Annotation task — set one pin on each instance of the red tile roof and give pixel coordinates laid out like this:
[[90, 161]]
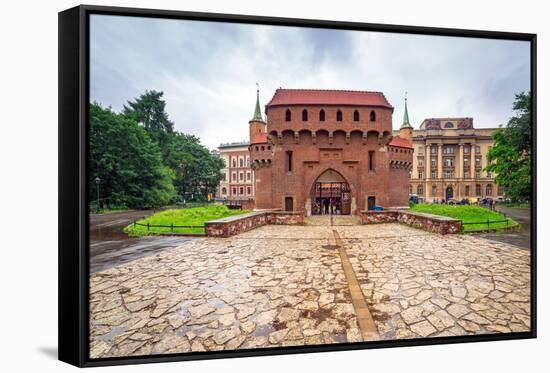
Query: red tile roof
[[400, 142], [285, 96]]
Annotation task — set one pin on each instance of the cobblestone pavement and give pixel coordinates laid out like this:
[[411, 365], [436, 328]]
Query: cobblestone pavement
[[288, 285]]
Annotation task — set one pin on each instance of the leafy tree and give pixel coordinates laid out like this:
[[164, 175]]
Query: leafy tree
[[510, 157], [197, 170], [149, 110], [128, 163]]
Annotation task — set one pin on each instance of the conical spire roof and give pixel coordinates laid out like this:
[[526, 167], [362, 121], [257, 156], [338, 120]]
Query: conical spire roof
[[257, 110], [406, 123]]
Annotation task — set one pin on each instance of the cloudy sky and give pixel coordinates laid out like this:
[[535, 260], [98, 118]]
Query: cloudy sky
[[208, 71]]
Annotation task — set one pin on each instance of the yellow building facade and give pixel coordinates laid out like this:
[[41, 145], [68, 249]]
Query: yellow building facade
[[450, 157]]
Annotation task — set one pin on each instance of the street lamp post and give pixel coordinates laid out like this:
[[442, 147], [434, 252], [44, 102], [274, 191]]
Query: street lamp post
[[97, 181]]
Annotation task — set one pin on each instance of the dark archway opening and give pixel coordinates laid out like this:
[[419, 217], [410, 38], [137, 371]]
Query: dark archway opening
[[331, 195]]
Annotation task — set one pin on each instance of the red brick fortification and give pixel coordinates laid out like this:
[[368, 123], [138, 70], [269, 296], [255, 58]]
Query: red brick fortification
[[233, 225], [319, 139]]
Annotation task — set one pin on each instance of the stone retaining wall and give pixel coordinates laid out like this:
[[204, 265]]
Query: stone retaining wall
[[377, 217], [428, 222], [233, 225], [285, 217]]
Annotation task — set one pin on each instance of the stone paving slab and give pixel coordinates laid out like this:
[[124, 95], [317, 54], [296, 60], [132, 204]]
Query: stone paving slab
[[274, 286], [285, 286], [425, 285]]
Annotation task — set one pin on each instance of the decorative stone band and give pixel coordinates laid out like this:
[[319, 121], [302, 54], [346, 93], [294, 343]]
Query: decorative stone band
[[233, 225], [428, 222]]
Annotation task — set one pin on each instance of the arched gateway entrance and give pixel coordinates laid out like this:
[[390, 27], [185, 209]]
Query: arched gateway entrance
[[331, 195]]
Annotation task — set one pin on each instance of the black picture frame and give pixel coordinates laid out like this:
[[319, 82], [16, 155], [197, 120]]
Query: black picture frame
[[73, 189]]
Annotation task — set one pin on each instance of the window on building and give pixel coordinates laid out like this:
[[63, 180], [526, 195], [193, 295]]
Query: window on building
[[433, 150], [372, 116], [257, 148], [371, 160], [489, 190], [466, 162], [466, 174], [433, 162], [234, 176], [234, 191], [241, 191], [478, 149], [466, 149], [448, 125], [304, 115], [241, 163], [434, 190], [448, 149], [478, 190], [478, 161], [434, 174], [248, 191], [322, 116], [420, 175], [224, 191], [449, 162], [467, 190], [339, 115], [289, 161], [234, 162], [356, 116], [247, 162], [262, 148], [288, 115], [420, 150], [478, 174], [449, 174], [420, 162], [420, 190], [224, 176], [241, 176]]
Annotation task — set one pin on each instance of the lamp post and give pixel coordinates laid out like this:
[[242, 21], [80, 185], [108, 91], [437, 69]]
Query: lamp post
[[97, 181]]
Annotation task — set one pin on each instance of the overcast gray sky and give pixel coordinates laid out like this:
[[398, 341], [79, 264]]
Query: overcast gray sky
[[208, 71]]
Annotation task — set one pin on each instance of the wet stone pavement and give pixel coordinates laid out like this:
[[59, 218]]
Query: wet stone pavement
[[295, 285]]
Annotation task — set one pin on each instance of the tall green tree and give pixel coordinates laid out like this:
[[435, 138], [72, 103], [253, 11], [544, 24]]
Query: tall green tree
[[510, 156], [149, 110], [197, 170], [128, 163]]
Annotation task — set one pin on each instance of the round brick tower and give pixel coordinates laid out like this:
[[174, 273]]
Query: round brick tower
[[260, 157]]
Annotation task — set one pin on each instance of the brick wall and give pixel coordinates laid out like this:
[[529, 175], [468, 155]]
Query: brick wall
[[233, 225], [428, 222]]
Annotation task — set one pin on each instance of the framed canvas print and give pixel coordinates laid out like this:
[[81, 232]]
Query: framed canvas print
[[234, 186]]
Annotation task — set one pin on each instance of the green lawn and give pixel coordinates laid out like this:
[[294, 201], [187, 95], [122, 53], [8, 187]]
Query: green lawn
[[195, 216], [468, 214]]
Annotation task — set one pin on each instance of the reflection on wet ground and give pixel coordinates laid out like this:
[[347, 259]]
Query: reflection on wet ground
[[520, 237], [110, 246]]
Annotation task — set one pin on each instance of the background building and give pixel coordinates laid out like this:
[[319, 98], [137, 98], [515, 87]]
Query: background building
[[450, 157], [237, 177]]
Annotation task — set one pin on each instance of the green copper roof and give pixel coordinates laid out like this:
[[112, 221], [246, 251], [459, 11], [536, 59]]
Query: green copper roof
[[406, 123], [258, 110]]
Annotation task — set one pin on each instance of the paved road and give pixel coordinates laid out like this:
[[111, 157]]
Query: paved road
[[110, 246], [520, 237]]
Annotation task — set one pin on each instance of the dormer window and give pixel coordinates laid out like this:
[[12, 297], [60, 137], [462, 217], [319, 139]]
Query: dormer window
[[322, 116], [356, 116], [339, 116], [448, 125], [288, 116], [373, 116], [304, 115]]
